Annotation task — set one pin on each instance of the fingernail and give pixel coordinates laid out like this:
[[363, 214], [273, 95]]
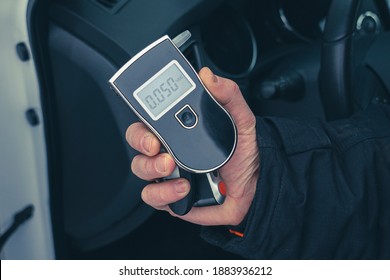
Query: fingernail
[[161, 164], [181, 187], [147, 143]]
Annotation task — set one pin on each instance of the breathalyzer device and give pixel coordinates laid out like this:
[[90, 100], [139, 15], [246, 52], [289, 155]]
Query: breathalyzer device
[[166, 93]]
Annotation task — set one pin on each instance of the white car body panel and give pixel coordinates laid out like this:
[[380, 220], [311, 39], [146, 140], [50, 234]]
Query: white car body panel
[[23, 160]]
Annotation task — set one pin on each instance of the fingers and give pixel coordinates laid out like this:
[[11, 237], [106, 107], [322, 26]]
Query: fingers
[[224, 90], [150, 164], [228, 94], [141, 139], [217, 215], [161, 194], [150, 168]]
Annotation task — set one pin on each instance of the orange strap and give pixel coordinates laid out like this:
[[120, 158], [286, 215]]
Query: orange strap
[[239, 234]]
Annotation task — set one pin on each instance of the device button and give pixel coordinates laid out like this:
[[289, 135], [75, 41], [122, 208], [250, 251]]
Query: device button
[[222, 188], [187, 117]]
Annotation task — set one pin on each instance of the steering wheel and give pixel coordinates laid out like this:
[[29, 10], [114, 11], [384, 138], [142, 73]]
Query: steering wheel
[[343, 86]]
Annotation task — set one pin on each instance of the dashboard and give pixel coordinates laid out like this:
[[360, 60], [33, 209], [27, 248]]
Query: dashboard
[[244, 31], [307, 22]]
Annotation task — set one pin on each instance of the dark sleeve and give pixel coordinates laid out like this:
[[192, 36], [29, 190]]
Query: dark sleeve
[[323, 191]]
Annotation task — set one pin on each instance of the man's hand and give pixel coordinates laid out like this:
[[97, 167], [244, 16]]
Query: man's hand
[[240, 174]]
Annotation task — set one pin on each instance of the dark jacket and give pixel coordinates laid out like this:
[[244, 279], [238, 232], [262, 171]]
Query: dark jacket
[[323, 191]]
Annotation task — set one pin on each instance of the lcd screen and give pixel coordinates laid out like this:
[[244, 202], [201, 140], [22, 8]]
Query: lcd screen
[[164, 90]]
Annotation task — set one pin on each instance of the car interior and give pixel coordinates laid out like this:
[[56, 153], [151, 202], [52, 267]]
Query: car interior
[[291, 58]]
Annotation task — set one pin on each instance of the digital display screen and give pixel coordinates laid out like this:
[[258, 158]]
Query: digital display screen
[[164, 90]]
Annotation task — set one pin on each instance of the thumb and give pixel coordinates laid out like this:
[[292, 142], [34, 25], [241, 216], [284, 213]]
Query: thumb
[[228, 94]]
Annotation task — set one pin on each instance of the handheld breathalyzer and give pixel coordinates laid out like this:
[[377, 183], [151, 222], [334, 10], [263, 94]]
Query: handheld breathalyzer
[[165, 92]]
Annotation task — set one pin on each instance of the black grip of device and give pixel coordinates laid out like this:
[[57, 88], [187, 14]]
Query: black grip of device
[[204, 195], [184, 205]]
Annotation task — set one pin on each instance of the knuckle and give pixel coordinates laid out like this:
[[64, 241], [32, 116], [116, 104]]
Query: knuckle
[[234, 87], [153, 195], [135, 165], [131, 135], [149, 169], [142, 167], [163, 196], [145, 196]]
